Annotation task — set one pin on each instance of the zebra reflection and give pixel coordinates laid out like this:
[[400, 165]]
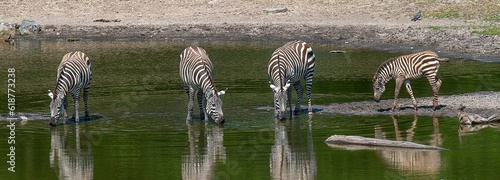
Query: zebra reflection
[[423, 161], [295, 159], [68, 157], [206, 147]]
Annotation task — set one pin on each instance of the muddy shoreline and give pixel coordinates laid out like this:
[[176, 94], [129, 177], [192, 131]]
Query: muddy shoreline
[[455, 43], [484, 103]]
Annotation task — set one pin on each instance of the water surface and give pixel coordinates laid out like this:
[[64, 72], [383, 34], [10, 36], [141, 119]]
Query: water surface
[[139, 109]]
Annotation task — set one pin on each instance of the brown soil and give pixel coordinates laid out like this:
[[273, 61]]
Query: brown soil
[[377, 24]]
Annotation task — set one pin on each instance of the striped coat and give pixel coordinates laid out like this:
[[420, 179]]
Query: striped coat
[[288, 65], [73, 75], [406, 67], [197, 74]]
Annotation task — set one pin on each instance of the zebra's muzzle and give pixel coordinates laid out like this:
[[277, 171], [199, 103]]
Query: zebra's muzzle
[[281, 115], [221, 120], [53, 122]]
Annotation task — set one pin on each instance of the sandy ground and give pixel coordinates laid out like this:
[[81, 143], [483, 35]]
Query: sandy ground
[[379, 24], [382, 24]]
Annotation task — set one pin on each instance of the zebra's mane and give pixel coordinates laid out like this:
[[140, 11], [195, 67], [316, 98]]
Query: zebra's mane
[[206, 68], [280, 76], [61, 69], [383, 65]]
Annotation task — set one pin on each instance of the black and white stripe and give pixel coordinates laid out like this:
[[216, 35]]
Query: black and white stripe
[[197, 74], [288, 64], [404, 68], [73, 74]]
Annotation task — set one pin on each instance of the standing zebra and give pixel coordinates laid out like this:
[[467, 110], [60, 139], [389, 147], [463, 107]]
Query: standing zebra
[[73, 74], [288, 64], [404, 68], [197, 74]]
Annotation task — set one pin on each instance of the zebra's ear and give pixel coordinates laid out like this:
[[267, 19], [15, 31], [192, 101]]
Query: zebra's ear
[[51, 95], [287, 85], [273, 87], [220, 93]]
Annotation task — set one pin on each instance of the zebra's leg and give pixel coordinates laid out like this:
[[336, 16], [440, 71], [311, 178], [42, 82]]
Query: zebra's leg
[[308, 92], [300, 92], [203, 115], [289, 95], [65, 105], [190, 93], [399, 82], [76, 98], [86, 100], [410, 91], [435, 88]]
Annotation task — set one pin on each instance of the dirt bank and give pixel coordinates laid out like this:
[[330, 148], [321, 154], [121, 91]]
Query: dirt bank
[[482, 103], [377, 24]]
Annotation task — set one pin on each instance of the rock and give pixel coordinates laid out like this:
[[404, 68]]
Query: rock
[[7, 31], [28, 27], [276, 10]]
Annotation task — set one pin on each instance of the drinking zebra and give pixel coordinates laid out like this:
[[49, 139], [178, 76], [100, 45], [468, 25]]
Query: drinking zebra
[[73, 74], [404, 68], [197, 74], [288, 64]]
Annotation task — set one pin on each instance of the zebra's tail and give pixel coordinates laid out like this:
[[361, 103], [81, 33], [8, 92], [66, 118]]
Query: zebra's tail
[[443, 59]]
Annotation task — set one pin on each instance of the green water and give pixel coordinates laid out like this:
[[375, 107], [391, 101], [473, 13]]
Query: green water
[[139, 109]]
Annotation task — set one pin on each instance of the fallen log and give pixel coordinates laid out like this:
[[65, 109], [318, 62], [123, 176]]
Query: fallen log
[[373, 142], [337, 51], [470, 118]]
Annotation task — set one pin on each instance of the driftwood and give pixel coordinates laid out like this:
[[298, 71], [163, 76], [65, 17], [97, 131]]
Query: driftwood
[[373, 142], [276, 10], [470, 118], [337, 51], [107, 20]]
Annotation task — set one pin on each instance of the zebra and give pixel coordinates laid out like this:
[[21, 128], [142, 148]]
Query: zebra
[[404, 68], [73, 74], [197, 74], [288, 64]]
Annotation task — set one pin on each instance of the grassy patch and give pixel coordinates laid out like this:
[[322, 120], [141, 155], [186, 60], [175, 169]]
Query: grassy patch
[[436, 27], [493, 18], [480, 9], [492, 30], [448, 13]]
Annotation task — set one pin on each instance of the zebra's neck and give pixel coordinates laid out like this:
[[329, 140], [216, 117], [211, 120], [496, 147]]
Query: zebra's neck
[[61, 88], [60, 92], [385, 73], [207, 86]]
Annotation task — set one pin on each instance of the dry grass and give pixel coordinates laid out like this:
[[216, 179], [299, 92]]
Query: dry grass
[[488, 10]]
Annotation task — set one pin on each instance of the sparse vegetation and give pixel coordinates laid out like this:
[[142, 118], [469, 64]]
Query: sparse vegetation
[[487, 10], [436, 27], [491, 30]]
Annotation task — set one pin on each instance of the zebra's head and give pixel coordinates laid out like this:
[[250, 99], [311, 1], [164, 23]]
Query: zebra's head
[[378, 87], [214, 105], [280, 99], [56, 108]]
